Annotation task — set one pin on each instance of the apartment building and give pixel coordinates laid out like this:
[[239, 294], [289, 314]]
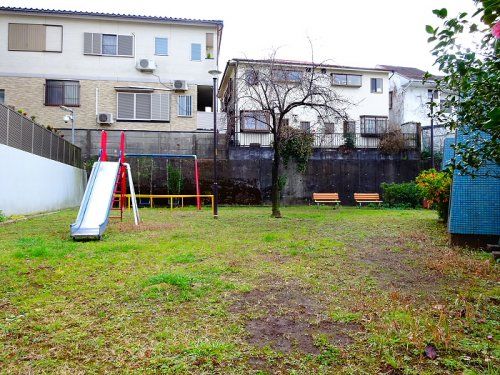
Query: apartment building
[[366, 89], [123, 72], [409, 102]]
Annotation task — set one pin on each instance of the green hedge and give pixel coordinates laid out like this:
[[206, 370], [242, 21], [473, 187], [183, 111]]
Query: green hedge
[[407, 194]]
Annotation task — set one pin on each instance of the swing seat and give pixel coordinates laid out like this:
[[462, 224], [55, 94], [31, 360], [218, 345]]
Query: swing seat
[[141, 202]]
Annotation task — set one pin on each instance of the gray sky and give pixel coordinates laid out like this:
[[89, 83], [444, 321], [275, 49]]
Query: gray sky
[[351, 32]]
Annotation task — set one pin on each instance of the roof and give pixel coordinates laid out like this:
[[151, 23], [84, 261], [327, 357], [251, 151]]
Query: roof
[[408, 72], [129, 17], [308, 63]]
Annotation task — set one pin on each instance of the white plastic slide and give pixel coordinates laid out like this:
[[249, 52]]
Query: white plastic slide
[[93, 215]]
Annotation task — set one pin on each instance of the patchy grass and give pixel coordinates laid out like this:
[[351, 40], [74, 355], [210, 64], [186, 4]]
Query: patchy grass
[[354, 291]]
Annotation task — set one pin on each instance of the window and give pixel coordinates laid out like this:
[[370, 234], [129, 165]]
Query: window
[[209, 46], [376, 85], [373, 125], [251, 77], [143, 107], [390, 99], [35, 37], [442, 103], [432, 94], [287, 75], [329, 128], [195, 52], [2, 96], [62, 93], [108, 44], [185, 108], [254, 121], [161, 46], [305, 126], [347, 80], [349, 127]]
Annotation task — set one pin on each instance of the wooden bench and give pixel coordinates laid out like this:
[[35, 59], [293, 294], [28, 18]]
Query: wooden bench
[[367, 198], [326, 198]]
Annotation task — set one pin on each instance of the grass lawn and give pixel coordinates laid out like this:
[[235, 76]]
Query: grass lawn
[[355, 291]]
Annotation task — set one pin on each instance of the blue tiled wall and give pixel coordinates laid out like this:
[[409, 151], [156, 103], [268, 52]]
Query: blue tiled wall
[[475, 202]]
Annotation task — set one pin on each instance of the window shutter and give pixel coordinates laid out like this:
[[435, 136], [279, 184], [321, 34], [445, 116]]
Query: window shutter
[[126, 45], [196, 52], [165, 107], [126, 110], [96, 44], [87, 43], [143, 106], [160, 107], [26, 37]]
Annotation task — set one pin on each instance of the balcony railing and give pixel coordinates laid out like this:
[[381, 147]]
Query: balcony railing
[[321, 140]]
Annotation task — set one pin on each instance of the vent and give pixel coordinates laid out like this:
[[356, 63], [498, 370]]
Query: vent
[[180, 85]]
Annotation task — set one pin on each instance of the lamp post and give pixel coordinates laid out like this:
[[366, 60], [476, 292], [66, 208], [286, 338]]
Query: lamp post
[[215, 73], [72, 118]]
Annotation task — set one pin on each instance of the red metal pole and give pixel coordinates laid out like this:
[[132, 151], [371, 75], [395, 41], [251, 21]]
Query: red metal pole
[[104, 142], [197, 183], [123, 170]]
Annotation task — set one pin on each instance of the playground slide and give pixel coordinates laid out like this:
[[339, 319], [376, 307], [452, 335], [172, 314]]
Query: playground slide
[[94, 210]]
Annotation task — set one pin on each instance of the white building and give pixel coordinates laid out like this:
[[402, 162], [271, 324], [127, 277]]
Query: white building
[[409, 98], [367, 89], [115, 71]]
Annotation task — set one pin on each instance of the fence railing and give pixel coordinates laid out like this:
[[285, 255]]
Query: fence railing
[[22, 133], [321, 140]]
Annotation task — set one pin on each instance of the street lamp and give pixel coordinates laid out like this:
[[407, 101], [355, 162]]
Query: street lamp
[[71, 118], [215, 73]]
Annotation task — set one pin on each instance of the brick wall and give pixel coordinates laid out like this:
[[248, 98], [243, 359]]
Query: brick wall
[[28, 93]]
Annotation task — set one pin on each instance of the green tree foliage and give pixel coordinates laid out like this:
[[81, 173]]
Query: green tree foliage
[[472, 80]]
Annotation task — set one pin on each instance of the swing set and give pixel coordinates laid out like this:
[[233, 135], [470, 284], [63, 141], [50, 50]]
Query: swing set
[[148, 199]]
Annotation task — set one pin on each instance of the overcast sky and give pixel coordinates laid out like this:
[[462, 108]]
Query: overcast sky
[[348, 32]]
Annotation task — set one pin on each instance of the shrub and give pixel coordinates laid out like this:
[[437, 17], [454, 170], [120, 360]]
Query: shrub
[[2, 216], [392, 142], [436, 189], [407, 194]]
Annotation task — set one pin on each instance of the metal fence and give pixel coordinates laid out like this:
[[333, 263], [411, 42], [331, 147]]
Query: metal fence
[[20, 132], [322, 140]]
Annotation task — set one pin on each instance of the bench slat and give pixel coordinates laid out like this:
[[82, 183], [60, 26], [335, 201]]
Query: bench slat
[[367, 197]]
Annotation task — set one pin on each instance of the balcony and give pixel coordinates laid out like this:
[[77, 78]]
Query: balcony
[[205, 121], [321, 140]]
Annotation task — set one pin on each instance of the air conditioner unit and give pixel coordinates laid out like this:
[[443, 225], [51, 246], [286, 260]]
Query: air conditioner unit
[[146, 65], [105, 118], [180, 85]]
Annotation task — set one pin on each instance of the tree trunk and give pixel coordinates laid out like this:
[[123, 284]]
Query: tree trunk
[[275, 187]]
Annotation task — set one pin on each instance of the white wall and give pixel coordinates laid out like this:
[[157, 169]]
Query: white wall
[[73, 64], [363, 101], [30, 183]]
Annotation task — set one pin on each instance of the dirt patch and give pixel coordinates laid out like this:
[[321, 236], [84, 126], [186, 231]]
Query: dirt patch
[[143, 226], [400, 271], [288, 317]]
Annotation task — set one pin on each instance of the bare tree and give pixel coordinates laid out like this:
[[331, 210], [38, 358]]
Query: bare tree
[[270, 92]]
